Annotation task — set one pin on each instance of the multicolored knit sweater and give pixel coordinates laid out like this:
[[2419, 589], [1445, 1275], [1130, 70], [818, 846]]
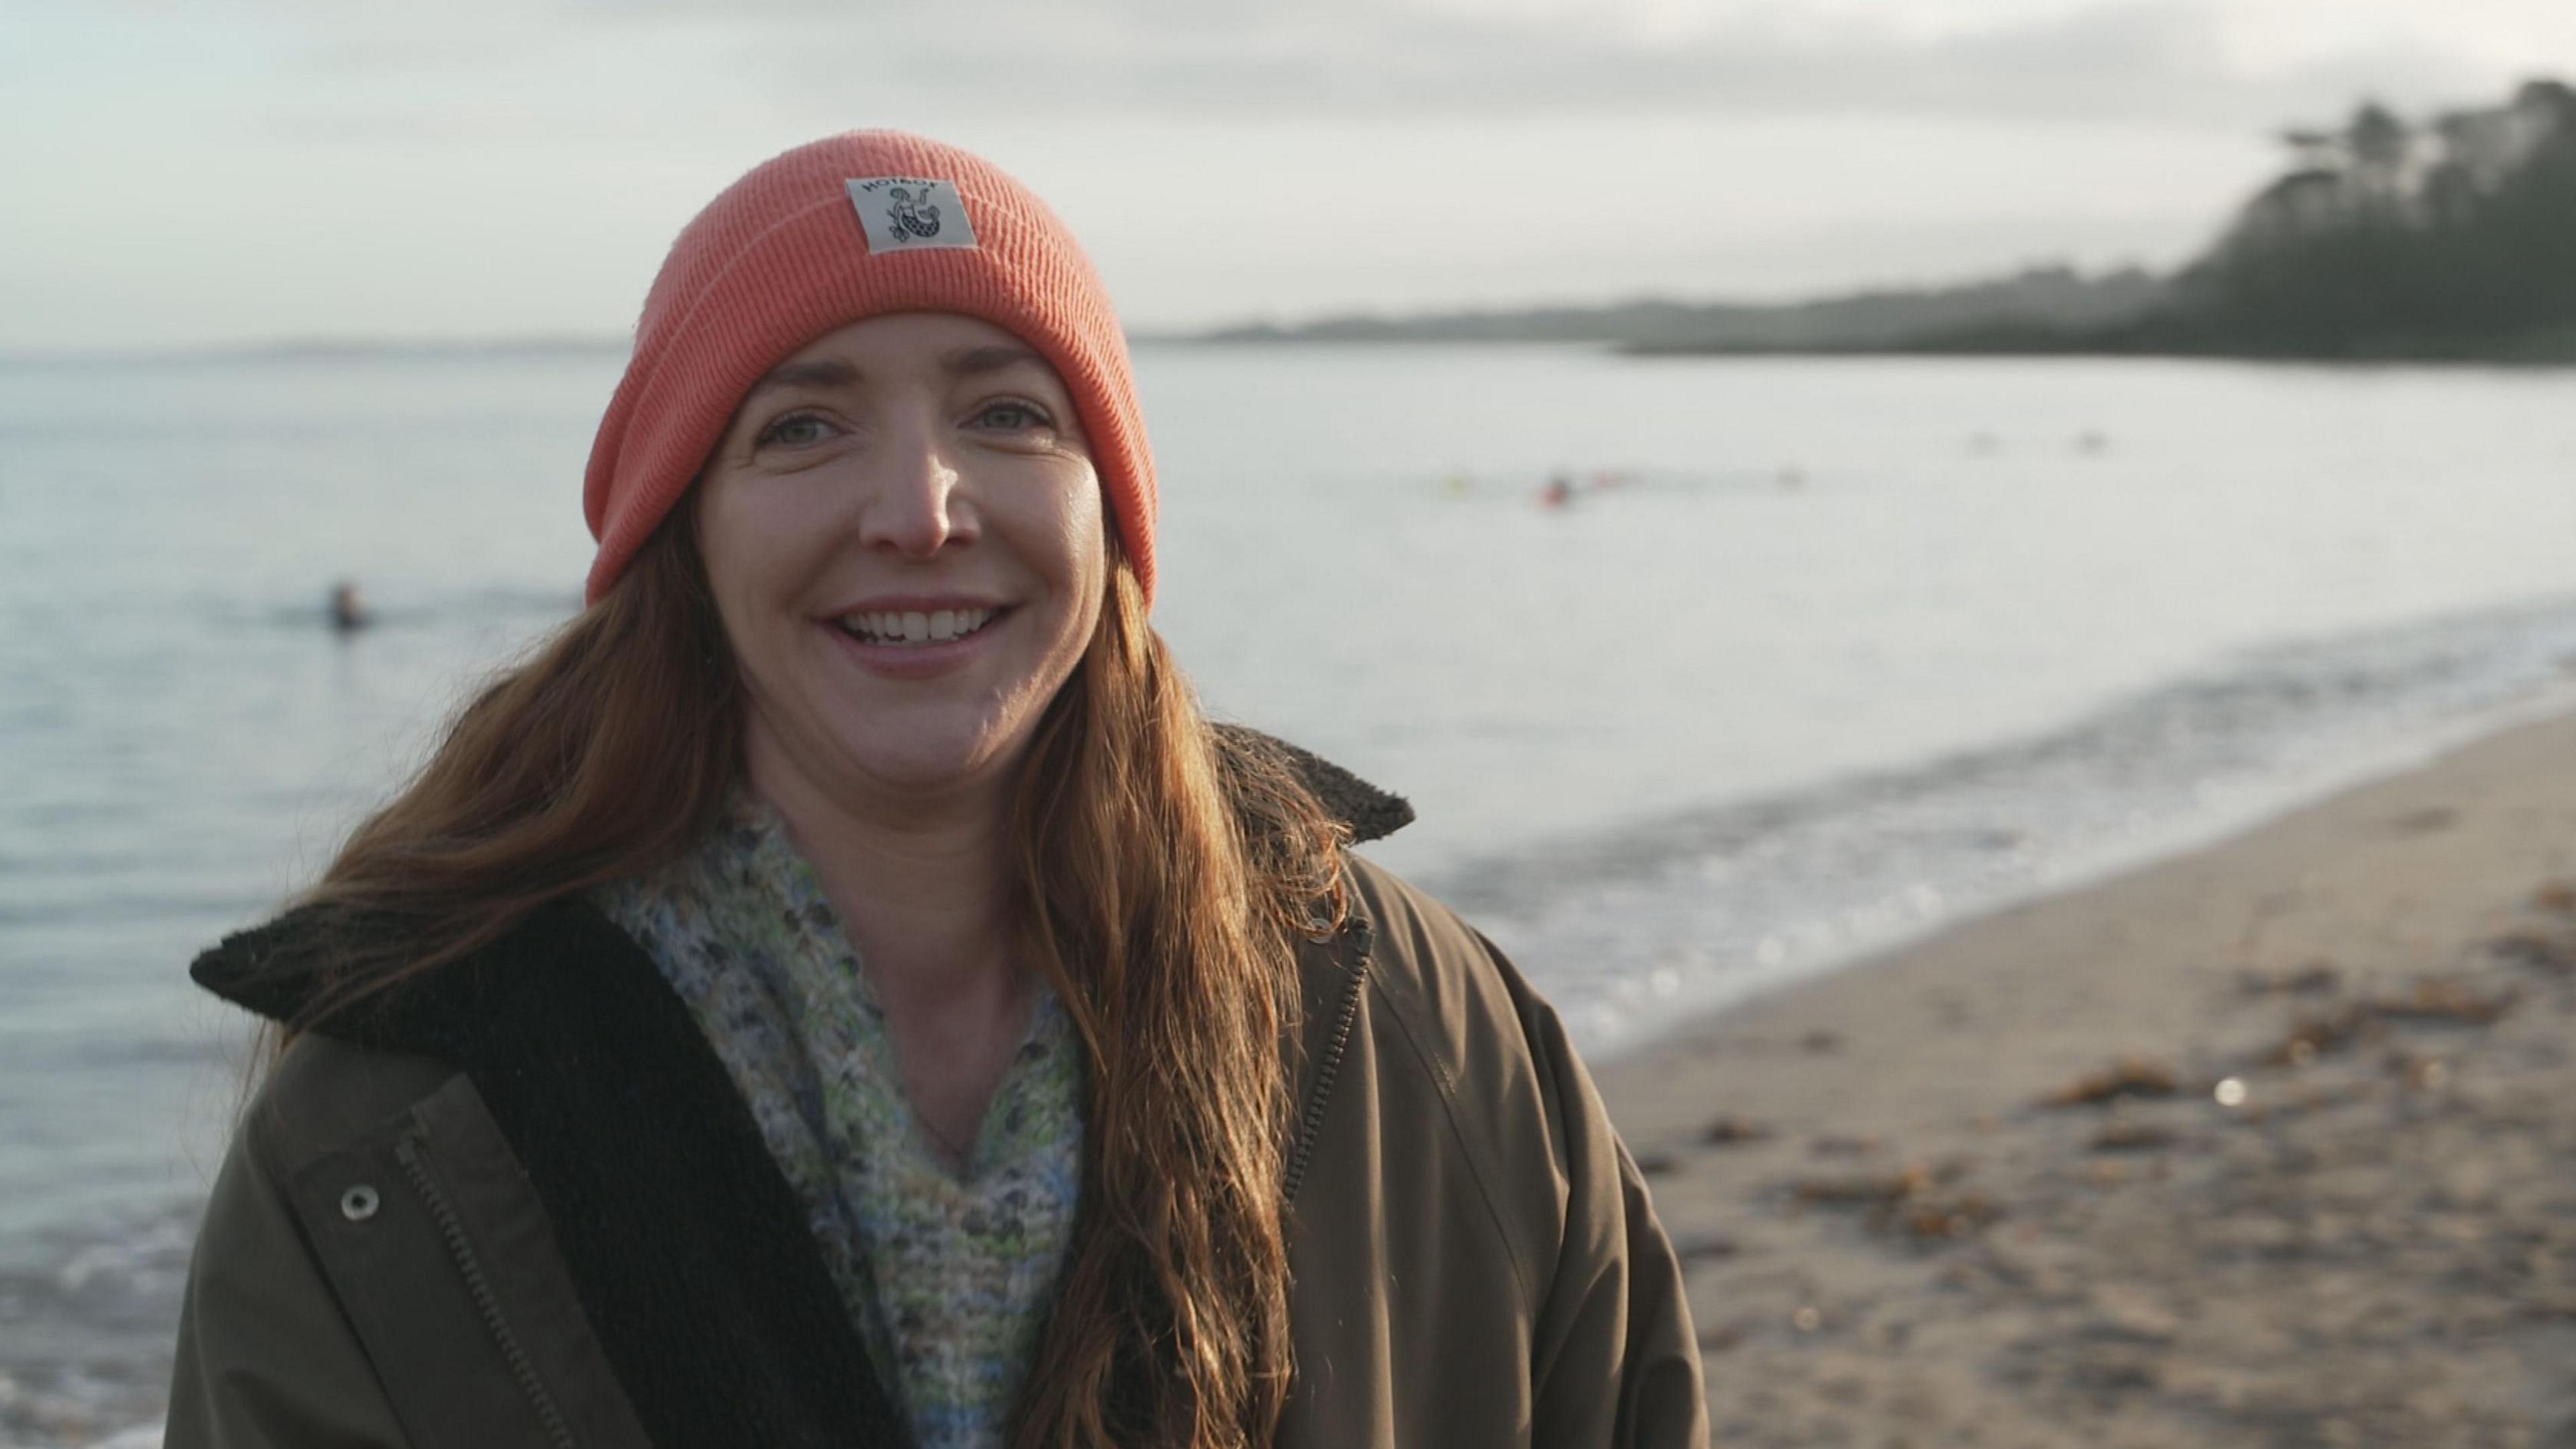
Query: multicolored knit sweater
[[949, 1276]]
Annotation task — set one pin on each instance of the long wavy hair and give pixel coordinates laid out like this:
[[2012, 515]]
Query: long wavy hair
[[1164, 873]]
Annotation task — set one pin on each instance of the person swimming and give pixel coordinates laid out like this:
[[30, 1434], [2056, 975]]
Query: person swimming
[[349, 611]]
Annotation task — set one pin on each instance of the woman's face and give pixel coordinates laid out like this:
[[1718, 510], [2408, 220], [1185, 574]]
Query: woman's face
[[905, 540]]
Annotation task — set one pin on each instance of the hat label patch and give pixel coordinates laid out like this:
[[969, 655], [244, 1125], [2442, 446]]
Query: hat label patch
[[910, 213]]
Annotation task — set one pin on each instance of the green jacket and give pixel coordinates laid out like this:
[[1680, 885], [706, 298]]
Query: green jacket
[[521, 1204]]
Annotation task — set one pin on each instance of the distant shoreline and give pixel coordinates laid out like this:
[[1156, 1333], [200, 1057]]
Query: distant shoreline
[[316, 350], [2382, 240], [2546, 350]]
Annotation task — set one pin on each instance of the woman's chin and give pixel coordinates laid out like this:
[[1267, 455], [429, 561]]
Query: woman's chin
[[925, 762], [855, 750]]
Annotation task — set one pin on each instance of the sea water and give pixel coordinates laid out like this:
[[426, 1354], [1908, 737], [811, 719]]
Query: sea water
[[1702, 674]]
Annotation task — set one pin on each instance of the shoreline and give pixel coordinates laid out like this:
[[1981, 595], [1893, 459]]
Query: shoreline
[[2252, 807], [1889, 1238]]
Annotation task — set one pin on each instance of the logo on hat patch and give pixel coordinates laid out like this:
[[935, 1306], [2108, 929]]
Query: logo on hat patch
[[910, 213]]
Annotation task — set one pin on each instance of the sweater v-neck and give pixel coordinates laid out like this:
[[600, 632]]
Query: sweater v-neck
[[947, 1271]]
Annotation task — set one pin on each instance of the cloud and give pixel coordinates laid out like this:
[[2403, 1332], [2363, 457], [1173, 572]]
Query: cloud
[[2166, 60], [2191, 62], [1402, 152]]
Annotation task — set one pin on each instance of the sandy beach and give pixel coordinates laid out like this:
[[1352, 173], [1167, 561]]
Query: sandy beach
[[2270, 1144]]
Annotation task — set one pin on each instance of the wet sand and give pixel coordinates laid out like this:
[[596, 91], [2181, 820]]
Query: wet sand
[[1902, 1228]]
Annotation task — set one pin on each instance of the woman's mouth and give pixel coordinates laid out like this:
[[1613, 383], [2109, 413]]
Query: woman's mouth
[[914, 629]]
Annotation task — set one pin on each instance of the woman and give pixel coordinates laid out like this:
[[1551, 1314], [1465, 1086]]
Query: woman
[[840, 991]]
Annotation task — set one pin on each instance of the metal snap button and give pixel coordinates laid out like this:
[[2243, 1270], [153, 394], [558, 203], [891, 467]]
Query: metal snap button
[[359, 1203]]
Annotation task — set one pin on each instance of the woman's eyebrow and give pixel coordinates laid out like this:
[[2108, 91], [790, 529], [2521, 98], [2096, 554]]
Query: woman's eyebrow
[[832, 372], [820, 373], [976, 361]]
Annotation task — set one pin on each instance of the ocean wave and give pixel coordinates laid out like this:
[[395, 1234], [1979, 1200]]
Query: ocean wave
[[1634, 925]]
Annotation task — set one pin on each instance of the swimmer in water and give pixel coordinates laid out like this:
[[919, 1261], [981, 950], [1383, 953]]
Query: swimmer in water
[[349, 612]]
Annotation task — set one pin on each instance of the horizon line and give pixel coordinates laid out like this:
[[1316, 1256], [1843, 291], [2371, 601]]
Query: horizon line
[[327, 348]]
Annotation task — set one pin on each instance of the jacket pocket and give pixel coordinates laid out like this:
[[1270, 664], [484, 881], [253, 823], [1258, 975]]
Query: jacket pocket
[[441, 1255]]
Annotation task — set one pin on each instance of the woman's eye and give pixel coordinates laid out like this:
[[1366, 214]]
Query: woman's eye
[[796, 430], [1013, 417]]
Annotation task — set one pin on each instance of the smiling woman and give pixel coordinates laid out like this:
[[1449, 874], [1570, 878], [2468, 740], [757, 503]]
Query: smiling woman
[[840, 990]]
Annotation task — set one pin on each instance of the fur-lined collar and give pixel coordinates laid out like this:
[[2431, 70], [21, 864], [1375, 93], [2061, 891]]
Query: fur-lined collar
[[277, 969]]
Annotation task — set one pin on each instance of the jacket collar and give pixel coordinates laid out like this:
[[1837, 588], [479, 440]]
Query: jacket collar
[[278, 969]]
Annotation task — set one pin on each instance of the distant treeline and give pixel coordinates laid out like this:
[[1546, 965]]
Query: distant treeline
[[2043, 297], [2456, 239], [2384, 240]]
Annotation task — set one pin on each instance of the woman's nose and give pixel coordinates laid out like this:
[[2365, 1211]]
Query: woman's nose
[[912, 504]]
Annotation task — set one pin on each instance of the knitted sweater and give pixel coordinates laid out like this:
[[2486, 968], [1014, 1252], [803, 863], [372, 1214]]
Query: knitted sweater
[[948, 1276]]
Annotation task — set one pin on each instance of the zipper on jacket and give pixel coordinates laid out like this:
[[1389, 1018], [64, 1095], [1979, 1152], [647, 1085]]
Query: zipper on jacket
[[1330, 1066], [461, 1251]]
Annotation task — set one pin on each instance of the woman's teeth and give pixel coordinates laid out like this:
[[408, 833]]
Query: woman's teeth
[[938, 627]]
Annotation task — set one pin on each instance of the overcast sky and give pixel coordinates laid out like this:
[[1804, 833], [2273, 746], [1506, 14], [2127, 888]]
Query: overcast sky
[[180, 174]]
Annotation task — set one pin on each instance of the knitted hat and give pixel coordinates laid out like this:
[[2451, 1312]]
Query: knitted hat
[[834, 231]]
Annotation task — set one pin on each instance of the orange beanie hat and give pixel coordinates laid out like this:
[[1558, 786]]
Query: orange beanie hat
[[827, 234]]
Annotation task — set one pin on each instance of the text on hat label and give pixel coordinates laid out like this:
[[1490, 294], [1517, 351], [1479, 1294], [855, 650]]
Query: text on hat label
[[910, 213]]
